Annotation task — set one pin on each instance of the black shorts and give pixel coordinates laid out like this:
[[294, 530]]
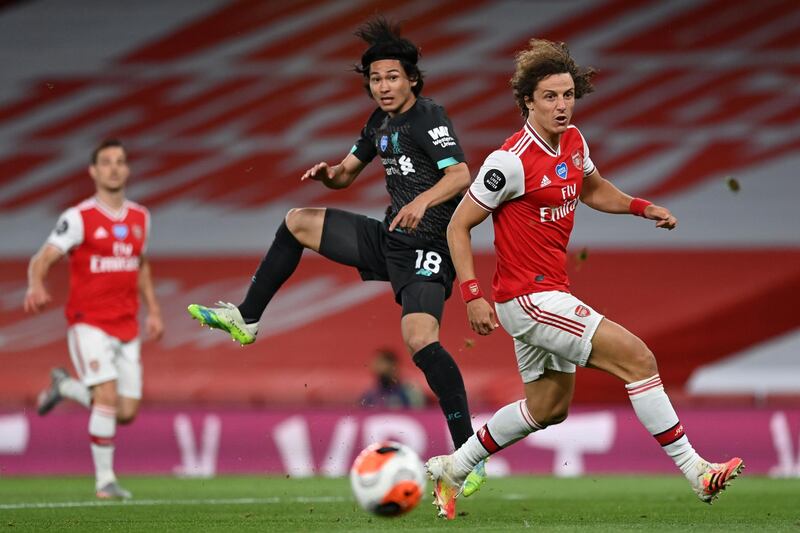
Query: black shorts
[[399, 258]]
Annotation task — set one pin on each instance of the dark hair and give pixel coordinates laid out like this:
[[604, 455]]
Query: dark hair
[[541, 59], [383, 38], [387, 354], [107, 143]]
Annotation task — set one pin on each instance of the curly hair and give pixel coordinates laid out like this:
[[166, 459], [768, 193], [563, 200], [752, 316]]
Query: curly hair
[[541, 59], [385, 42]]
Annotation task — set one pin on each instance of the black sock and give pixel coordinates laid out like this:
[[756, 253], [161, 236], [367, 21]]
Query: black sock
[[444, 379], [276, 267]]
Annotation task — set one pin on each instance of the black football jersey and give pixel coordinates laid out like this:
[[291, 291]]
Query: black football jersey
[[415, 147]]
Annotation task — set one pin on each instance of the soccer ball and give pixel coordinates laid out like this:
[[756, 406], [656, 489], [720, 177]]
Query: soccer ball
[[387, 478]]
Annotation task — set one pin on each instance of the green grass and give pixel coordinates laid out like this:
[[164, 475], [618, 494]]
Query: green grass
[[596, 504]]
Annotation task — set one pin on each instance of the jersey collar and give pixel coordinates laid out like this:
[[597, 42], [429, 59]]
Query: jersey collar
[[110, 213], [541, 142]]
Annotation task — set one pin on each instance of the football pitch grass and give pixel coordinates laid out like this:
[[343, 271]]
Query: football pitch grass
[[596, 504]]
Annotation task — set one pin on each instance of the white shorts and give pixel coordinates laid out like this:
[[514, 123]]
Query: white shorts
[[551, 329], [98, 357]]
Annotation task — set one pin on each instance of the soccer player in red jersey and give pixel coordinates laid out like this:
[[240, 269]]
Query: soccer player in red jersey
[[105, 238], [531, 186]]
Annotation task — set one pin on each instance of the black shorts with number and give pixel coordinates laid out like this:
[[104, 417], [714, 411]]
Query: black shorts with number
[[397, 257]]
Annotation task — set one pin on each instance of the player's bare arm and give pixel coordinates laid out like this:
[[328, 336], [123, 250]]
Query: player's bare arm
[[37, 296], [455, 181], [468, 214], [154, 325], [600, 194], [338, 176]]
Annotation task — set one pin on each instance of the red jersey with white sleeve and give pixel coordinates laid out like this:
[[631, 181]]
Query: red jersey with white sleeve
[[532, 191], [104, 250]]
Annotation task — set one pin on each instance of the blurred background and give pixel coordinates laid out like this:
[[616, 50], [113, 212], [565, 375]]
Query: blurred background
[[223, 104]]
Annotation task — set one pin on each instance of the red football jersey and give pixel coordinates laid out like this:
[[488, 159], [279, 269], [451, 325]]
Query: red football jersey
[[104, 250], [532, 191]]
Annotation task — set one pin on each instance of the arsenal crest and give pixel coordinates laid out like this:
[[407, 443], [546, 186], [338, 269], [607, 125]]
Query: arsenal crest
[[577, 159], [582, 311]]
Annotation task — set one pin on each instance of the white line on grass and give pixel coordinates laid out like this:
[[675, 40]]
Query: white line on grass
[[218, 501], [230, 501]]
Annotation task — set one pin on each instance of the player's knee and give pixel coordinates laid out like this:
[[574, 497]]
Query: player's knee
[[302, 219], [305, 225], [294, 220], [416, 342]]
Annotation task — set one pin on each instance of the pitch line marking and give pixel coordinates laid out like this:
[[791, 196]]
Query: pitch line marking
[[213, 501], [231, 501]]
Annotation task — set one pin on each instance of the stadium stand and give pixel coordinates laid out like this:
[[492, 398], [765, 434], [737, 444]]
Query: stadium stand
[[222, 123]]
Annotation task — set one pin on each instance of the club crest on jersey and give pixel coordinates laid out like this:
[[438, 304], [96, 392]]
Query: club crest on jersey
[[577, 159], [120, 231], [137, 231], [396, 142], [384, 142], [561, 170], [582, 311]]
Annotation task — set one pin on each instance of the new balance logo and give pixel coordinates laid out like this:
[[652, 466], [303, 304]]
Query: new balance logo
[[545, 182], [100, 233]]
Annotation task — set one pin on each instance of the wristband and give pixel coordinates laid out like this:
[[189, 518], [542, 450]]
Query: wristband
[[638, 206], [470, 290]]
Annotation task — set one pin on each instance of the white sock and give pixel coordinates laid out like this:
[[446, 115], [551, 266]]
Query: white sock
[[508, 425], [75, 390], [102, 427], [654, 410]]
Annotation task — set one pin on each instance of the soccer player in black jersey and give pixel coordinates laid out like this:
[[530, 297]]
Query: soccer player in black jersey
[[426, 175]]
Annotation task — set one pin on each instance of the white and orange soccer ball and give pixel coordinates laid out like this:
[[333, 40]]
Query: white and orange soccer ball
[[388, 478]]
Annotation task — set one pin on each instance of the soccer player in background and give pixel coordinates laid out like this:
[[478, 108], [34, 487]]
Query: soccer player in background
[[531, 186], [105, 238], [426, 175]]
